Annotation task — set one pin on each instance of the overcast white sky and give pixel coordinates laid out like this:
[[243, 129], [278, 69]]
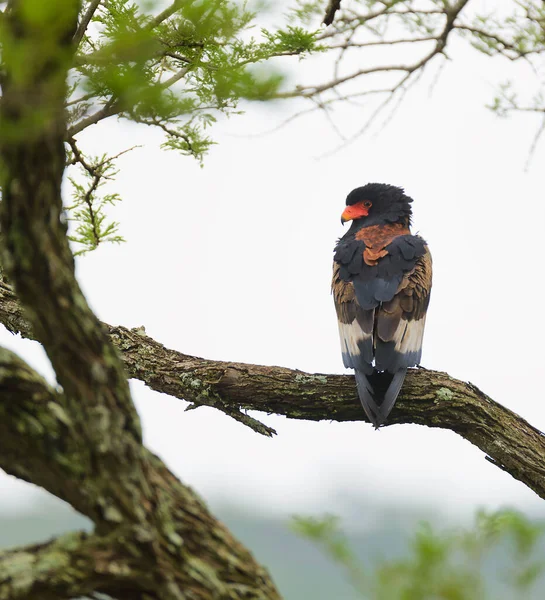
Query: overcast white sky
[[233, 262]]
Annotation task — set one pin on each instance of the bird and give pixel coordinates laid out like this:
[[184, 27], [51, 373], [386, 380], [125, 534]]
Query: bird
[[382, 277]]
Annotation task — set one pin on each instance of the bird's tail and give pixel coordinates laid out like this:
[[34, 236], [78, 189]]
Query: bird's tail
[[378, 393]]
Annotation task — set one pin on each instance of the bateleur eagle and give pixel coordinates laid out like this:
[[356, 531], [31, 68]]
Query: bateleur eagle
[[381, 288]]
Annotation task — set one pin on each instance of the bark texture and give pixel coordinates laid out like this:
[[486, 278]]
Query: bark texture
[[154, 538], [71, 566], [430, 398]]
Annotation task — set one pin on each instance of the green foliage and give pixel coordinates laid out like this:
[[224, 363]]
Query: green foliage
[[325, 532], [88, 211], [307, 11], [25, 59], [450, 565], [182, 68], [514, 29], [177, 70]]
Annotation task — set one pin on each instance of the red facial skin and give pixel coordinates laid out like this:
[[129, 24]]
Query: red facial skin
[[356, 211]]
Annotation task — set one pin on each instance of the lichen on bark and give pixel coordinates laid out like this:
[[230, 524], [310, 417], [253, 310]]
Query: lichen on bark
[[83, 443]]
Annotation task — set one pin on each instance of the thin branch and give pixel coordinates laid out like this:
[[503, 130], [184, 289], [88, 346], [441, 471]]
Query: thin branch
[[83, 98], [535, 142], [441, 40], [155, 121], [108, 110], [95, 168], [309, 91], [507, 45], [87, 207], [349, 45], [344, 24], [112, 107], [326, 112], [165, 14], [412, 72], [84, 23], [176, 77], [531, 109]]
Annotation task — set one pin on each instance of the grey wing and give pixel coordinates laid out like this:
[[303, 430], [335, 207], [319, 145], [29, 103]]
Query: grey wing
[[401, 321], [355, 325]]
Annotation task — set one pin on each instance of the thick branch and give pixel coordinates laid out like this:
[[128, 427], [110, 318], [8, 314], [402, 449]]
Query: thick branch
[[39, 444], [428, 397], [39, 261], [12, 314], [118, 564], [86, 440], [73, 565]]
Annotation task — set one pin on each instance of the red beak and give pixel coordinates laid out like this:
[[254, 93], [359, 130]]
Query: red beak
[[356, 211]]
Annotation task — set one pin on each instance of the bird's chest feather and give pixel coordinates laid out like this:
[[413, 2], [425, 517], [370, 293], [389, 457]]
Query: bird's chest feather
[[367, 252], [375, 259], [376, 238]]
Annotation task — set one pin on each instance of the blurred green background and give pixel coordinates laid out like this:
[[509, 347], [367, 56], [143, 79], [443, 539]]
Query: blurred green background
[[301, 569]]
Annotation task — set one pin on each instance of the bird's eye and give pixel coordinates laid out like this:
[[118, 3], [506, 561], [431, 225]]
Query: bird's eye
[[367, 204]]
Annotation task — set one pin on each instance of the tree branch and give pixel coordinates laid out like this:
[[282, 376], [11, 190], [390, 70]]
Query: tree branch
[[429, 398], [85, 20], [174, 539], [87, 366], [331, 10], [12, 314], [165, 14], [84, 444], [412, 40], [73, 565], [109, 109], [440, 39], [34, 418]]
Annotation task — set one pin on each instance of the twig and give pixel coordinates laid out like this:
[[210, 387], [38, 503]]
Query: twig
[[535, 141], [98, 172], [108, 110], [175, 78], [83, 98], [85, 20], [331, 10], [165, 14], [348, 45]]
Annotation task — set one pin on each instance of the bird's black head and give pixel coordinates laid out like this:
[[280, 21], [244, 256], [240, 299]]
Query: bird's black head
[[377, 203]]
